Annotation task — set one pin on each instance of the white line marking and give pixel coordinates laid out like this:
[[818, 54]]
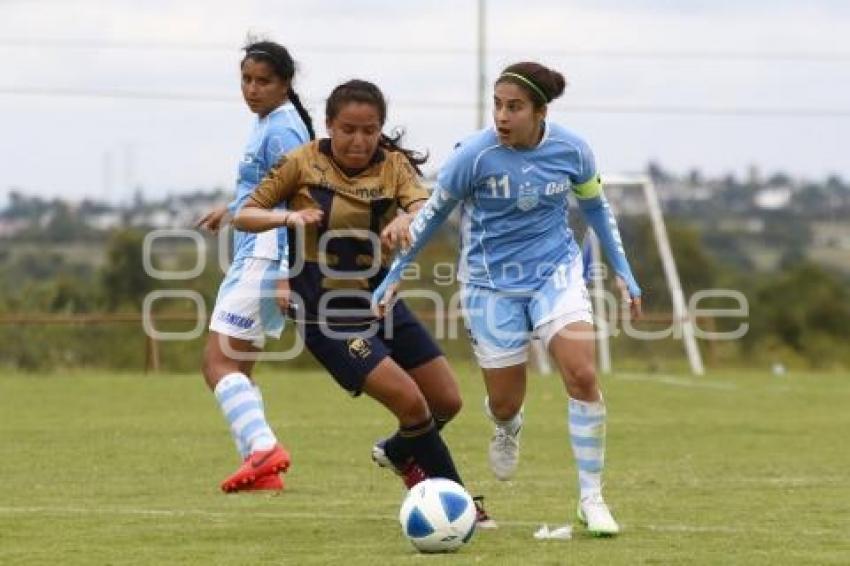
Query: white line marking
[[677, 381], [158, 513]]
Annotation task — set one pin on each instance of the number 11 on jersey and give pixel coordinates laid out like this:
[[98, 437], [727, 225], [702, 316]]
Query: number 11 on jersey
[[503, 183]]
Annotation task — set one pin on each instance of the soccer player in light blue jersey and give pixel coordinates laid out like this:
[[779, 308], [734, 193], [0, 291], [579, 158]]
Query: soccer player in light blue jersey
[[521, 270], [246, 310]]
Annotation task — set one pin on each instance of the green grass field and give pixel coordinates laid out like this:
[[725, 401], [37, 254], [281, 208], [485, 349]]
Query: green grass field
[[124, 469]]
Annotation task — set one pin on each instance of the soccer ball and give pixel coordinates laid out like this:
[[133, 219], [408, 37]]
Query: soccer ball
[[437, 515]]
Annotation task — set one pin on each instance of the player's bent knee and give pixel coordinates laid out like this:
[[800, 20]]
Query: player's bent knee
[[209, 367], [582, 381], [585, 374], [505, 409], [447, 408], [213, 372], [215, 365], [411, 409]]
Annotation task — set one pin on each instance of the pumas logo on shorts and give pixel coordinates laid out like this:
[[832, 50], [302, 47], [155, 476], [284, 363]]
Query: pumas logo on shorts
[[358, 348]]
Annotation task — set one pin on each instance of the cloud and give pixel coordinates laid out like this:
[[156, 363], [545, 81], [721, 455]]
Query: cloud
[[418, 52]]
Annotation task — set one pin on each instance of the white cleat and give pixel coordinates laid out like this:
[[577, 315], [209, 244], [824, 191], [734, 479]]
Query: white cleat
[[380, 457], [504, 453], [593, 512]]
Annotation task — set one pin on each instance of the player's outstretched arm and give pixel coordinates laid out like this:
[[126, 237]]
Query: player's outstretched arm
[[254, 218], [434, 212], [396, 235], [598, 214], [213, 219]]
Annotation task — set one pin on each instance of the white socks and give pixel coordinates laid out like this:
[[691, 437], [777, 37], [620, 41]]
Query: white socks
[[587, 437], [242, 406]]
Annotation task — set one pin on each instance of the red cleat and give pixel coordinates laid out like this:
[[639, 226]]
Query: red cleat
[[412, 474], [259, 464], [271, 482]]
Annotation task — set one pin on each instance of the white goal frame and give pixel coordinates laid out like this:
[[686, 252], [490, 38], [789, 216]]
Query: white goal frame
[[682, 320]]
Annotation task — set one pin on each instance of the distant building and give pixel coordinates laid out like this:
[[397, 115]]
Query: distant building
[[106, 220], [155, 218], [773, 198]]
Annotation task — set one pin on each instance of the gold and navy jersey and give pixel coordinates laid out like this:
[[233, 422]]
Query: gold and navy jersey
[[355, 205]]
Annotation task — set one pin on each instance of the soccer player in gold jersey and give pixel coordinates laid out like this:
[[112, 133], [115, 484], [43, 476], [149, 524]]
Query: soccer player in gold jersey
[[351, 197]]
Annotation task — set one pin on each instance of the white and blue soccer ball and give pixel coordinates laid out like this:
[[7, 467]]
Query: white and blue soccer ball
[[437, 515]]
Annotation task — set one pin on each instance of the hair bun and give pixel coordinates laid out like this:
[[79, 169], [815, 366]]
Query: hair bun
[[536, 79]]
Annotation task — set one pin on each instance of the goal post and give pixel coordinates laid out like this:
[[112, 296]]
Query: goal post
[[682, 320]]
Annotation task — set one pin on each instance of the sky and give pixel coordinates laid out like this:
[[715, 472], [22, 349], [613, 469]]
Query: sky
[[99, 98]]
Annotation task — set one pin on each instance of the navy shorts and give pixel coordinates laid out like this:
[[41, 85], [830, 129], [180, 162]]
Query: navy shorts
[[351, 357]]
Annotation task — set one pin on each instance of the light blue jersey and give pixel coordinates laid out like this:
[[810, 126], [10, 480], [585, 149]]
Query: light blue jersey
[[273, 135], [514, 205], [514, 232]]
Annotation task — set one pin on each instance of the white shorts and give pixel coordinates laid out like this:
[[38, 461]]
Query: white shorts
[[246, 308], [501, 324]]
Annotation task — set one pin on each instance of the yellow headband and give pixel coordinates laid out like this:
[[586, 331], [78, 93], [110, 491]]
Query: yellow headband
[[528, 82]]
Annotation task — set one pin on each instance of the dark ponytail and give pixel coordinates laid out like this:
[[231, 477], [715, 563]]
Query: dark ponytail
[[542, 84], [365, 92], [283, 66], [305, 117], [393, 143]]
